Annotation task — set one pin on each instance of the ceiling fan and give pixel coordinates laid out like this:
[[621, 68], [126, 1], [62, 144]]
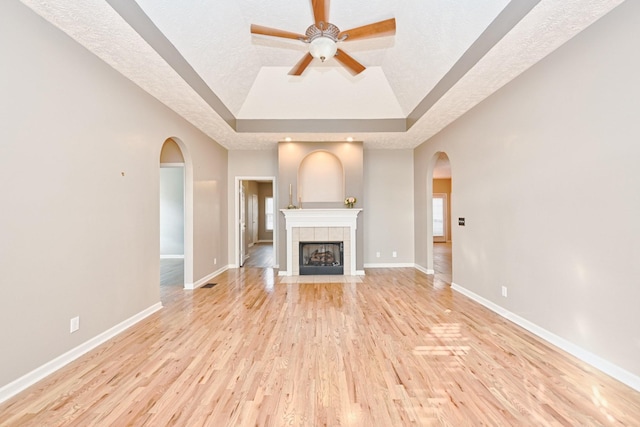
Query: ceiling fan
[[323, 37]]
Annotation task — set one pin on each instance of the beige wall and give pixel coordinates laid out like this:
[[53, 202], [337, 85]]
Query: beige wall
[[532, 168], [388, 202], [387, 194], [80, 196], [247, 164]]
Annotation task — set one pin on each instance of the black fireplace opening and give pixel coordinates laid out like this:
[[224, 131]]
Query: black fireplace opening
[[321, 258]]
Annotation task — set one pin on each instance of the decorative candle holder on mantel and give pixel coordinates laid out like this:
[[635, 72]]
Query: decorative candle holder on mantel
[[291, 205]]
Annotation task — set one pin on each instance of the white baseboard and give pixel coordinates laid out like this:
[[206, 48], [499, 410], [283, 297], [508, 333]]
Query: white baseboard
[[597, 362], [400, 265], [50, 367], [360, 273], [424, 270], [389, 265], [172, 256], [205, 279]]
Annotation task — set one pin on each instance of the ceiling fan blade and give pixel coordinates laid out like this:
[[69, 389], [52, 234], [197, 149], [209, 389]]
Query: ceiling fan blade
[[351, 64], [377, 29], [301, 65], [320, 10], [273, 32]]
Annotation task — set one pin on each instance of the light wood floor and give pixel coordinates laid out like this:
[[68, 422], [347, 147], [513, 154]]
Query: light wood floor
[[260, 255], [442, 264], [172, 272], [400, 348]]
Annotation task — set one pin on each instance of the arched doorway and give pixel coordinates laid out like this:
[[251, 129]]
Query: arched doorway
[[176, 214], [439, 199]]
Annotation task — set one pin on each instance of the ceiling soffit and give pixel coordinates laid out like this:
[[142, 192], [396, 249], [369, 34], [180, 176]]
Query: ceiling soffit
[[196, 41], [132, 43], [431, 36]]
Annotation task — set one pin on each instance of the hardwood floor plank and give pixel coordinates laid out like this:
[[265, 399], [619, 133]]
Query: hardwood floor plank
[[398, 348], [260, 255]]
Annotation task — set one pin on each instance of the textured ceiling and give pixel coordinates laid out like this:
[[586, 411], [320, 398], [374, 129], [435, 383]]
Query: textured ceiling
[[199, 59]]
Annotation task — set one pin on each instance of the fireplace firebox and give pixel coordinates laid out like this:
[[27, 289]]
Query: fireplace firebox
[[321, 258]]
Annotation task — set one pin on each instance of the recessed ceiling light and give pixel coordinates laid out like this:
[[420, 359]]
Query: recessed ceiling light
[[288, 139], [349, 139]]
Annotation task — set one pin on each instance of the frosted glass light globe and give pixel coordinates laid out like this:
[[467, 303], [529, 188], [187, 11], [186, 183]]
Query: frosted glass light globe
[[323, 48]]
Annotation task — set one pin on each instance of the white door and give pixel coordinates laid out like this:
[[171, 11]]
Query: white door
[[242, 225], [439, 217]]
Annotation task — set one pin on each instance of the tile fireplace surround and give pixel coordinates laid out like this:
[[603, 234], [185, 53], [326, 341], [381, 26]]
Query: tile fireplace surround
[[320, 225]]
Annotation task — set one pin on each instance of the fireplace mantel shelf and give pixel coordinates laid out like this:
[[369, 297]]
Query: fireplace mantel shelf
[[321, 217], [328, 211], [317, 218]]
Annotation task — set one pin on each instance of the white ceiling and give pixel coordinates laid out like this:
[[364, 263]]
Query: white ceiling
[[200, 59]]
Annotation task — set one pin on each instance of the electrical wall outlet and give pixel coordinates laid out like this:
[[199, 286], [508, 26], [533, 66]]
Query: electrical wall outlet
[[377, 254], [504, 291], [394, 254], [215, 261], [74, 324]]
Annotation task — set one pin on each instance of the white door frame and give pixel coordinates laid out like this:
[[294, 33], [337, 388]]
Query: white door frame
[[236, 228]]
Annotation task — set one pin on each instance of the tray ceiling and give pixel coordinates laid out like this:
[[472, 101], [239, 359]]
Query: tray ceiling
[[200, 59]]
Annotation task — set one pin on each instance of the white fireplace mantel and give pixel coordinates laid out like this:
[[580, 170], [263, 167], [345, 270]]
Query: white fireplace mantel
[[321, 218]]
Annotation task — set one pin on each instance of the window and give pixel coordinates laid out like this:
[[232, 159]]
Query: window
[[268, 213], [439, 217]]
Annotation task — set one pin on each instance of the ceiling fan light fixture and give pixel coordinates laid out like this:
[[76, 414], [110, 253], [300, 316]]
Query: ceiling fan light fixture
[[323, 48], [323, 37]]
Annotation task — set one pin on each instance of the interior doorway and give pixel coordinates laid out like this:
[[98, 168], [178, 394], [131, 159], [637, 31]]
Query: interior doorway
[[255, 226], [176, 207], [171, 224], [441, 241]]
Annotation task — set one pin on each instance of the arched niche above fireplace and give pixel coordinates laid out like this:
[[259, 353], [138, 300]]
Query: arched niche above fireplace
[[321, 178]]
